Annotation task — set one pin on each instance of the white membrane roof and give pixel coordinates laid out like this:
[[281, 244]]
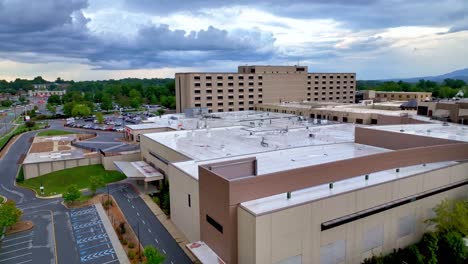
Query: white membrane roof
[[445, 131], [307, 195], [204, 144], [292, 158]]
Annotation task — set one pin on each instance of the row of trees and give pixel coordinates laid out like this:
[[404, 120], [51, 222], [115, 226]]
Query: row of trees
[[447, 89]]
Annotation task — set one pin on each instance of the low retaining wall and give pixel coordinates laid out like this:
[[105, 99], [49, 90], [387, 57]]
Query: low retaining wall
[[32, 170]]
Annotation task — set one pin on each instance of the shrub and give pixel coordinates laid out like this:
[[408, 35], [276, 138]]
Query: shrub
[[156, 200], [124, 242], [30, 124], [428, 247], [20, 177], [131, 254], [452, 248], [122, 228], [131, 245]]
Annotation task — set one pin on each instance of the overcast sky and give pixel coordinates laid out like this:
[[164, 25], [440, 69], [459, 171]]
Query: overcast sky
[[102, 39]]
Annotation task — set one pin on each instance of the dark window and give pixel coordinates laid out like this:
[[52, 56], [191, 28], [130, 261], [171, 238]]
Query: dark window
[[196, 77], [209, 104], [359, 121], [241, 109], [345, 120], [241, 96], [241, 103], [208, 84], [215, 224], [251, 90], [252, 70], [241, 77], [260, 77], [230, 78], [260, 90], [251, 84], [316, 82], [197, 98], [163, 160], [189, 201], [250, 77], [197, 105], [260, 96], [197, 84], [260, 84], [251, 96], [220, 84], [374, 121], [208, 77], [220, 91], [208, 98], [220, 97], [301, 69], [231, 97], [219, 77], [230, 84], [251, 102], [260, 102], [209, 91], [308, 77], [197, 91], [220, 104], [241, 90], [231, 103], [241, 84]]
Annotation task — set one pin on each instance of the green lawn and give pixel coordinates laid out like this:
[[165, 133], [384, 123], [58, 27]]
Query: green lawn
[[54, 133], [58, 181]]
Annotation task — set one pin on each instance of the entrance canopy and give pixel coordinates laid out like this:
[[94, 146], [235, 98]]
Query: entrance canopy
[[138, 170]]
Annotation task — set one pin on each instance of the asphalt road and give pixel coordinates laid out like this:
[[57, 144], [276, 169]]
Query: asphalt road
[[52, 219]]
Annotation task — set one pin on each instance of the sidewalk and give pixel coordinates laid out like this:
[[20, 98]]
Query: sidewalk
[[171, 228], [119, 250]]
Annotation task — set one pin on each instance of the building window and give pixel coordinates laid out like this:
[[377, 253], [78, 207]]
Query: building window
[[209, 91], [231, 103], [197, 84], [220, 97], [241, 96], [197, 91], [241, 103], [220, 84], [197, 98], [359, 121], [219, 77], [260, 77], [260, 84], [345, 120], [189, 200], [208, 77], [230, 78], [251, 77], [241, 77], [251, 96], [215, 224], [251, 108], [209, 104], [197, 105], [251, 102], [241, 109], [220, 104], [208, 98], [230, 84], [251, 90], [324, 82], [196, 77], [241, 84], [308, 77], [260, 102], [231, 97], [208, 84], [251, 83], [260, 90]]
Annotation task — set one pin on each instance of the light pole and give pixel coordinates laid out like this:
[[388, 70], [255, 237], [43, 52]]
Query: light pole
[[42, 188]]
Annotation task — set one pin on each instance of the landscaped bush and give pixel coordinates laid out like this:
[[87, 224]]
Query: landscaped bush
[[131, 245], [131, 254], [20, 177], [445, 246]]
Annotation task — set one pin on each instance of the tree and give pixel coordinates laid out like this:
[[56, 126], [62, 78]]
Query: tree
[[68, 107], [81, 110], [160, 112], [135, 98], [22, 99], [72, 194], [54, 99], [451, 215], [9, 214], [6, 103], [452, 249], [95, 182], [52, 108], [100, 117], [153, 256], [106, 103]]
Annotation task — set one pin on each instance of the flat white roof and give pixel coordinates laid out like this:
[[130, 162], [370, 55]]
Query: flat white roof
[[280, 201], [204, 144], [292, 158], [437, 130], [181, 121]]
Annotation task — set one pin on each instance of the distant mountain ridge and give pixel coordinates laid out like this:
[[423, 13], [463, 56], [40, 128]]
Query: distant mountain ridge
[[458, 74]]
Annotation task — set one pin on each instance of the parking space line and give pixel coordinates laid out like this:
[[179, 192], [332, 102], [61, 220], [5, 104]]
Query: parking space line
[[138, 214], [157, 241], [149, 230], [29, 253], [6, 240], [110, 261], [15, 250], [17, 243], [143, 222], [26, 261], [164, 251]]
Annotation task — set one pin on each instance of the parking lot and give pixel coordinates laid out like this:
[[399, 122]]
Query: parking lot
[[91, 238], [111, 122], [34, 246]]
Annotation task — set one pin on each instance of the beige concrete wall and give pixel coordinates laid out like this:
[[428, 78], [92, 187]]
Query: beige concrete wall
[[296, 231], [108, 161], [185, 217], [147, 145], [33, 170]]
